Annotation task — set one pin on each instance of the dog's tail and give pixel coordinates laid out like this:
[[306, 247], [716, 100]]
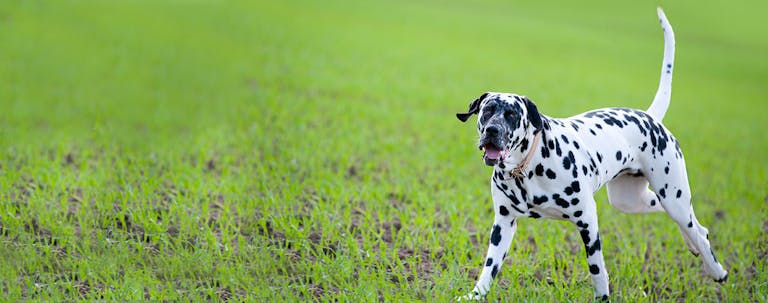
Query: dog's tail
[[661, 101]]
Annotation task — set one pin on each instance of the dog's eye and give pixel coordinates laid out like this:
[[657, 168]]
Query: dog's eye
[[485, 116], [509, 113]]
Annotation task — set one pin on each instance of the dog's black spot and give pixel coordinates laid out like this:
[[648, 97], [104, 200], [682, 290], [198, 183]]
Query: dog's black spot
[[513, 142], [637, 123], [613, 121], [690, 224], [599, 157], [603, 298], [511, 197], [538, 200], [565, 216], [582, 225], [494, 271], [642, 148], [569, 160], [496, 235], [618, 155], [653, 202], [503, 210], [590, 249], [576, 144], [666, 170], [662, 193], [519, 184], [584, 236], [575, 186], [560, 201], [584, 170], [565, 139], [504, 186], [534, 215], [574, 201], [577, 214], [594, 269], [524, 144], [593, 132], [568, 191], [489, 262], [551, 174], [539, 170], [595, 246], [679, 193]]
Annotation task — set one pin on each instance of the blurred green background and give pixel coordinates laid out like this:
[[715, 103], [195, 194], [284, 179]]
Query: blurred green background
[[303, 150]]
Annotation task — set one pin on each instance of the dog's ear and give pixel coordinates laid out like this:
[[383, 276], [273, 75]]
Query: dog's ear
[[474, 108], [533, 114]]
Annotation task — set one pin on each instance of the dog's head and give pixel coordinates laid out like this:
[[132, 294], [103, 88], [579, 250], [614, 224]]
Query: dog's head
[[506, 120]]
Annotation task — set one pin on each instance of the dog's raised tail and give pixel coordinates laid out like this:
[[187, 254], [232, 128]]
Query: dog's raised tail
[[661, 101]]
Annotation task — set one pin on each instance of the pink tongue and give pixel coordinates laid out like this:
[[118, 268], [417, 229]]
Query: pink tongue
[[492, 153]]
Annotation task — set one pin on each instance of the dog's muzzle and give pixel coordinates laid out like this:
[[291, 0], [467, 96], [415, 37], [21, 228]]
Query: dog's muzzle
[[491, 144]]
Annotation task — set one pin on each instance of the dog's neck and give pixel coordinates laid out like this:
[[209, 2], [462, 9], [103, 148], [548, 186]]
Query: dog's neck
[[517, 160]]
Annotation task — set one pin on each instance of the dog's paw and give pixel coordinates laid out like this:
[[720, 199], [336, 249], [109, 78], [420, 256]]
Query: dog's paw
[[473, 296], [603, 298], [723, 279]]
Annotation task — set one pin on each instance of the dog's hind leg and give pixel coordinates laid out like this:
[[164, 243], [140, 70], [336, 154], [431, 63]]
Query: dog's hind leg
[[630, 194], [671, 185]]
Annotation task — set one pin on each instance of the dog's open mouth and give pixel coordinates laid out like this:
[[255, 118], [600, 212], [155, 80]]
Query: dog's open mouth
[[492, 154]]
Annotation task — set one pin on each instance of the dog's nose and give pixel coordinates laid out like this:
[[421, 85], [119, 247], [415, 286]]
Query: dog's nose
[[491, 130]]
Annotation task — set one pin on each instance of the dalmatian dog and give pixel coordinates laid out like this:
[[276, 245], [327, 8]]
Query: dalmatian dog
[[550, 168]]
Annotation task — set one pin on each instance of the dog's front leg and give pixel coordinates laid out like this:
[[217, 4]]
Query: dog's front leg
[[586, 221], [502, 232]]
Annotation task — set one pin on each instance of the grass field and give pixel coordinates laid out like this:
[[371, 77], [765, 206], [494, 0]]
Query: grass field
[[308, 150]]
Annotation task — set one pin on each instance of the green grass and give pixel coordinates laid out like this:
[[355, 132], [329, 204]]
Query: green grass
[[302, 150]]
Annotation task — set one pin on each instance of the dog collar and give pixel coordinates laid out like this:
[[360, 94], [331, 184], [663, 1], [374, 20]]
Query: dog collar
[[518, 170]]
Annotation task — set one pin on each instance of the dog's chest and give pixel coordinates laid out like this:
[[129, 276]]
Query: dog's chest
[[534, 197]]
